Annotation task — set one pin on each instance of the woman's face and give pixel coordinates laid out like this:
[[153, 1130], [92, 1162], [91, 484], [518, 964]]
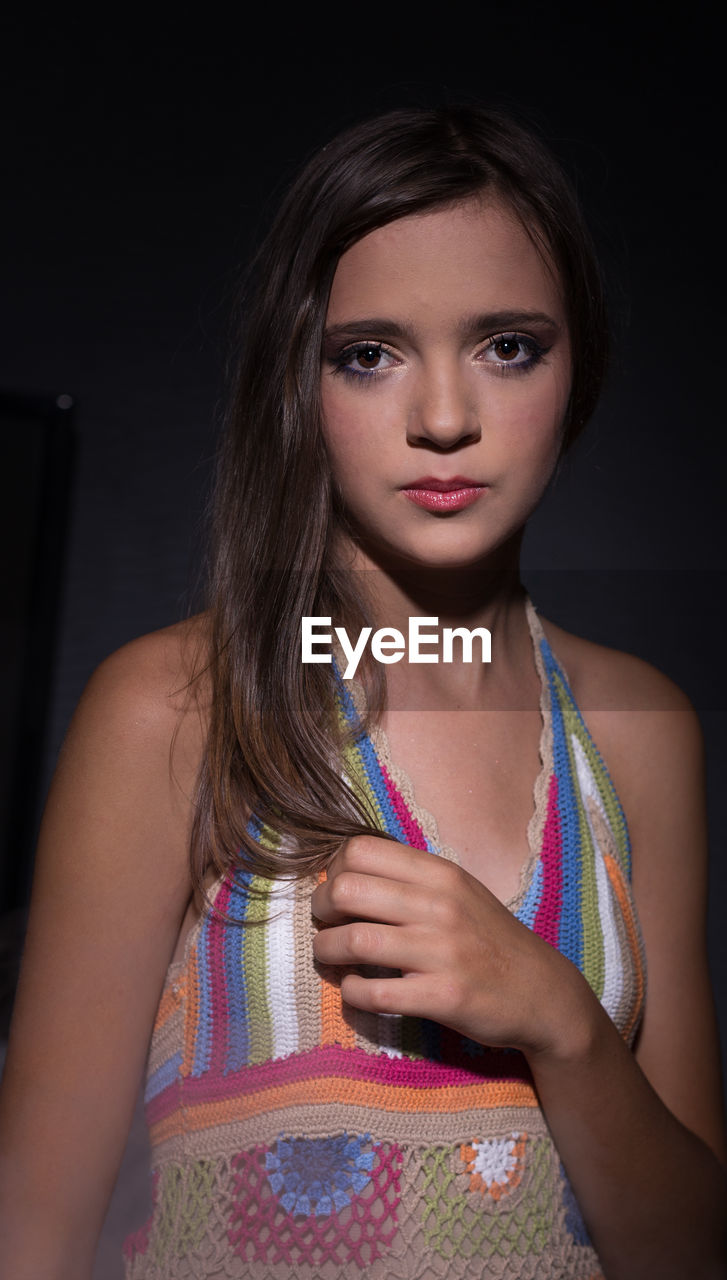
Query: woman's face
[[445, 379]]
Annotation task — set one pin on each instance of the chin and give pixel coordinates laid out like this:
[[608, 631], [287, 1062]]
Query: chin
[[442, 557]]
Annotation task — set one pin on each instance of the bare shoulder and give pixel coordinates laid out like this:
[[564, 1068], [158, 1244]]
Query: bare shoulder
[[607, 679], [643, 723], [650, 738], [134, 748], [121, 800], [148, 702], [155, 679], [112, 878]]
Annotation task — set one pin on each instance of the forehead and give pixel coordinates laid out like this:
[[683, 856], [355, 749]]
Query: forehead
[[462, 259]]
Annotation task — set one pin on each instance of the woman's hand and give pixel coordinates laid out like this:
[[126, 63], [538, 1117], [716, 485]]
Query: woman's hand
[[464, 959]]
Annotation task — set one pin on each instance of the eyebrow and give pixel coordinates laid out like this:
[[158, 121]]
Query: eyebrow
[[489, 322]]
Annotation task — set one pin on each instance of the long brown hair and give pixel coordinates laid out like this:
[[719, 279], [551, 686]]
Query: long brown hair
[[274, 746]]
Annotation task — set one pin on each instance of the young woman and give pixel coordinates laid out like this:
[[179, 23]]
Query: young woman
[[411, 1041]]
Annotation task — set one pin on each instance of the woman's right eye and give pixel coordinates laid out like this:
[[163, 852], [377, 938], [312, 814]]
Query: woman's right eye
[[362, 360]]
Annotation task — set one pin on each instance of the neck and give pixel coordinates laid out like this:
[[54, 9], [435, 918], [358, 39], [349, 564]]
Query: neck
[[486, 595]]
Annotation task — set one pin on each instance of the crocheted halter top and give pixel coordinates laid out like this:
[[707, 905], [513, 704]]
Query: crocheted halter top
[[294, 1136]]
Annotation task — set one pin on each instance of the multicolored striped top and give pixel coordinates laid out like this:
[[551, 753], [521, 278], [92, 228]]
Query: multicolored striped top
[[295, 1136]]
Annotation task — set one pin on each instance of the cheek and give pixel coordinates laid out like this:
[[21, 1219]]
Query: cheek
[[355, 435], [530, 430], [542, 414], [347, 448]]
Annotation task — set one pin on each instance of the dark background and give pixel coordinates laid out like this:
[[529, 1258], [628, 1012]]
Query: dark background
[[141, 159]]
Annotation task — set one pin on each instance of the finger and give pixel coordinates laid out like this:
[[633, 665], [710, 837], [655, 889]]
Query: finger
[[364, 942], [351, 895], [372, 856], [411, 996]]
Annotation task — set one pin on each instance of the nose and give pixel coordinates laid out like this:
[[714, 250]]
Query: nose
[[442, 412]]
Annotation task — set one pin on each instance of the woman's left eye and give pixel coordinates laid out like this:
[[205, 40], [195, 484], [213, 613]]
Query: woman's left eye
[[362, 360], [514, 351]]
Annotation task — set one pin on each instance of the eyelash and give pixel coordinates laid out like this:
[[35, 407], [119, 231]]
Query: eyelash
[[343, 359], [535, 349]]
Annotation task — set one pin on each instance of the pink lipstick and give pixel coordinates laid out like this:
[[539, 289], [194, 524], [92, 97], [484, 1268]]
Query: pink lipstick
[[444, 495]]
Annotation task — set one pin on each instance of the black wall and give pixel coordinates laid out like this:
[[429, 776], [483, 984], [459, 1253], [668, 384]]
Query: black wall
[[140, 163]]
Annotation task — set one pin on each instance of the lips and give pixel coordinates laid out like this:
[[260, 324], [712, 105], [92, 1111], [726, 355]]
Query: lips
[[433, 484], [437, 494]]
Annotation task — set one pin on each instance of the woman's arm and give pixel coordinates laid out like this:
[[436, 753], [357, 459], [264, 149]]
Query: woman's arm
[[639, 1135], [111, 886]]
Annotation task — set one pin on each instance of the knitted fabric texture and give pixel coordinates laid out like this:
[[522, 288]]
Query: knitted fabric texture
[[295, 1136]]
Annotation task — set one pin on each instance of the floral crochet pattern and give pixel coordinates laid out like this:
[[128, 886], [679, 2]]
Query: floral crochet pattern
[[261, 1230], [495, 1165], [317, 1175], [458, 1224]]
